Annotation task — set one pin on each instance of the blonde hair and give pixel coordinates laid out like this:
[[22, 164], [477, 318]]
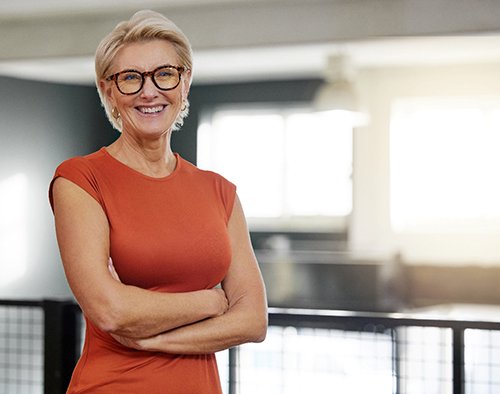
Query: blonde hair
[[142, 26]]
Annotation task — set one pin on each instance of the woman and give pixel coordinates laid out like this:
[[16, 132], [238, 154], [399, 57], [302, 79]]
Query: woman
[[146, 237]]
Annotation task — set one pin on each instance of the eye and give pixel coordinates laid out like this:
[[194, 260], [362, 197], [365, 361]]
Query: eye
[[165, 73], [130, 77]]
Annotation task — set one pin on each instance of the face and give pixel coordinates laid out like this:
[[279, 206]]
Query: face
[[151, 112]]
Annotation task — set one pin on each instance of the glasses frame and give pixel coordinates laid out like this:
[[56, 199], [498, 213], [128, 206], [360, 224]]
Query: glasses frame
[[145, 74]]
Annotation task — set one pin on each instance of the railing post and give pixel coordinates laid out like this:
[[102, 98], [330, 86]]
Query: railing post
[[234, 365], [61, 343], [458, 360], [396, 359]]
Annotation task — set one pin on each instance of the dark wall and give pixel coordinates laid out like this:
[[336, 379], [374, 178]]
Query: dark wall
[[42, 124]]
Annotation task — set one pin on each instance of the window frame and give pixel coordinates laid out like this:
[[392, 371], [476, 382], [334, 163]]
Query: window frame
[[284, 223]]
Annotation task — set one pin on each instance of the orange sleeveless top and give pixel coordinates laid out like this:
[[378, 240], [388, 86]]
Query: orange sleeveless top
[[166, 234]]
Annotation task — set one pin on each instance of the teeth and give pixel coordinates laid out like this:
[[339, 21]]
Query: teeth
[[151, 110]]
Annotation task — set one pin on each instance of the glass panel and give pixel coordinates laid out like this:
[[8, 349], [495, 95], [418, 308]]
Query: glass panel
[[482, 361], [425, 360], [21, 349], [320, 361]]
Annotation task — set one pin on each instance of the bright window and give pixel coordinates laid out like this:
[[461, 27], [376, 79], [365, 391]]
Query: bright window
[[444, 166], [289, 166]]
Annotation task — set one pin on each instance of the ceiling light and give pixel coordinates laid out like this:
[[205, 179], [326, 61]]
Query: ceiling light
[[338, 92]]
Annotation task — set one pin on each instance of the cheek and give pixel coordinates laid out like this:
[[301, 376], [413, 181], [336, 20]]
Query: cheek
[[176, 98], [123, 102]]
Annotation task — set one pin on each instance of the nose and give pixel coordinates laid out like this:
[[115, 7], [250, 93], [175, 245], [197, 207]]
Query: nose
[[149, 89]]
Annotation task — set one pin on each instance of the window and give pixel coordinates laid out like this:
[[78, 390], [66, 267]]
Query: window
[[444, 165], [292, 167]]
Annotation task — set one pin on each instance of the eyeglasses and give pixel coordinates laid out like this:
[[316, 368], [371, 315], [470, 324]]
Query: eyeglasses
[[165, 77]]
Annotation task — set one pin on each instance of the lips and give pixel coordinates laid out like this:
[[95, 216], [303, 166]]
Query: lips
[[150, 109]]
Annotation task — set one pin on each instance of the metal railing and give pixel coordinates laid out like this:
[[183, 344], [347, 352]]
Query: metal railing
[[40, 343], [404, 334]]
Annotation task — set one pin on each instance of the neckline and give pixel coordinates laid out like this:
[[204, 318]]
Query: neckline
[[140, 174]]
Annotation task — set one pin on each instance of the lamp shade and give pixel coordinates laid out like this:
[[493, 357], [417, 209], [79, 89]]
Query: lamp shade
[[336, 95]]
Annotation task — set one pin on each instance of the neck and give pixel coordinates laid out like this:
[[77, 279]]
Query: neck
[[150, 157]]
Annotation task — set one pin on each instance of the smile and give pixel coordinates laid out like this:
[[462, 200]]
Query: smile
[[151, 110]]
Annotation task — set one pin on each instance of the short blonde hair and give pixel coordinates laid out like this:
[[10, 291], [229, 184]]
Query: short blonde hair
[[142, 26]]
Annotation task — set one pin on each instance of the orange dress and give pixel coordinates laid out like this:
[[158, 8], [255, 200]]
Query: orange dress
[[166, 234]]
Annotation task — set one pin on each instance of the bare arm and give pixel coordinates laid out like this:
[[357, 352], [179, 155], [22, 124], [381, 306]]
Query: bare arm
[[246, 319], [83, 237]]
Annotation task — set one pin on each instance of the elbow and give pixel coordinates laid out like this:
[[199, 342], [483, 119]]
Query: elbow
[[107, 325], [260, 336], [106, 322], [259, 329], [107, 316], [262, 332]]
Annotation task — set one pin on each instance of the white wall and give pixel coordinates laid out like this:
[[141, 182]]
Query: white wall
[[370, 231]]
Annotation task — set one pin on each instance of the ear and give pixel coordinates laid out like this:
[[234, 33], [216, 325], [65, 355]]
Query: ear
[[186, 84], [106, 88]]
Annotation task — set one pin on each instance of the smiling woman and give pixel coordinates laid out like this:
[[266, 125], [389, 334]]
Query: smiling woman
[[146, 101], [164, 245]]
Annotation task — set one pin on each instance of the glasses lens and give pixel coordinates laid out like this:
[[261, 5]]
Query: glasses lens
[[129, 82], [167, 77]]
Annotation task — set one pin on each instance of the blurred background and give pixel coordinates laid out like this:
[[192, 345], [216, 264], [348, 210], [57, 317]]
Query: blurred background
[[363, 137]]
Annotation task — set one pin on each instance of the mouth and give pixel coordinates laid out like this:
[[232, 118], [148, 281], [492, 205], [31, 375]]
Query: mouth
[[151, 110]]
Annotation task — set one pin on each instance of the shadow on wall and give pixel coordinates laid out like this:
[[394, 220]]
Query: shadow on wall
[[13, 227]]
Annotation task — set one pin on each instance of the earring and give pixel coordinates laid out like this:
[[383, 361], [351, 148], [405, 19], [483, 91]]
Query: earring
[[115, 113]]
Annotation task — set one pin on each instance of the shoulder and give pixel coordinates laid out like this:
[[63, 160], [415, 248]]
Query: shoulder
[[211, 185], [206, 175], [79, 164], [80, 170]]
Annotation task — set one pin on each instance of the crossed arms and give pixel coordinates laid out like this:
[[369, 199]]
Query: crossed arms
[[203, 321]]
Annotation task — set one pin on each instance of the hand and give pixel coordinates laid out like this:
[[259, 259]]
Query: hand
[[137, 344], [150, 344], [221, 304]]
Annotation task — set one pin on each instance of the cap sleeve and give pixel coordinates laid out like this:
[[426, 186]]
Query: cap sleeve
[[227, 191], [78, 171]]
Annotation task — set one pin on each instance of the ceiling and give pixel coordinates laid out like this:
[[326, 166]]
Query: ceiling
[[253, 39], [51, 7]]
